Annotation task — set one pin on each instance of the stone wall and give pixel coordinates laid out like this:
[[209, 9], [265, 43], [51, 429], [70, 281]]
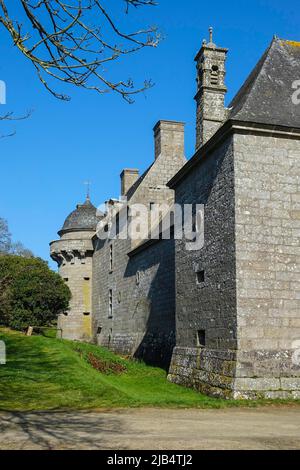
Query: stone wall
[[73, 252], [209, 371], [77, 324], [143, 293], [249, 303], [267, 178], [141, 287], [208, 307]]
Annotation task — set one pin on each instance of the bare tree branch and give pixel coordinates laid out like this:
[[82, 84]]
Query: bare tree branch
[[73, 41], [7, 246], [9, 116]]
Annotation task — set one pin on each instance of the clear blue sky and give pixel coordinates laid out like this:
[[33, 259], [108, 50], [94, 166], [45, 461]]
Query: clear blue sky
[[93, 137]]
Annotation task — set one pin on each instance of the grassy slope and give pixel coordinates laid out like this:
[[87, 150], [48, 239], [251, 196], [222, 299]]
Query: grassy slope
[[45, 374]]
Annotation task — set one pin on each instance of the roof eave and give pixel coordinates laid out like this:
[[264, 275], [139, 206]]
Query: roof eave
[[201, 153], [70, 230]]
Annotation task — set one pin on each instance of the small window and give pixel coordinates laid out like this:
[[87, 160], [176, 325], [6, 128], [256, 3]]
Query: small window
[[110, 304], [66, 279], [201, 340], [86, 278], [200, 277], [117, 223], [99, 330], [86, 314], [111, 258], [152, 204], [214, 75]]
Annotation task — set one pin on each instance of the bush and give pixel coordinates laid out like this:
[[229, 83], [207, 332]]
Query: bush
[[30, 293]]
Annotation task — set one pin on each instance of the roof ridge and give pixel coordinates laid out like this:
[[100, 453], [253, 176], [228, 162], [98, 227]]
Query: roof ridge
[[290, 42]]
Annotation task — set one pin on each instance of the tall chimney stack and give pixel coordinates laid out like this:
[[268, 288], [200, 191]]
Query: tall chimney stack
[[128, 178], [169, 139], [210, 97]]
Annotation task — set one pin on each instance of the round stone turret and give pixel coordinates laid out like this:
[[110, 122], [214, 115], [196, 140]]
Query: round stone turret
[[73, 253]]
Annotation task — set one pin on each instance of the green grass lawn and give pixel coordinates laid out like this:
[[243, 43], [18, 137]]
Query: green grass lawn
[[46, 374]]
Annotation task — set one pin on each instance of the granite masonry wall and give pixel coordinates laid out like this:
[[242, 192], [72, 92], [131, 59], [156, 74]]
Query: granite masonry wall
[[248, 304], [206, 328], [141, 321], [73, 253], [267, 186], [134, 298]]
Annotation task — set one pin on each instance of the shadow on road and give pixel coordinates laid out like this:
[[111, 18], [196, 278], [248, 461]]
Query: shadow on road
[[58, 430]]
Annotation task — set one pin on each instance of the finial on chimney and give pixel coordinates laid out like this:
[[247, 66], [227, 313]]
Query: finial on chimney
[[211, 34]]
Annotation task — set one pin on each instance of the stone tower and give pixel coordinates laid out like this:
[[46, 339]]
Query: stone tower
[[73, 254], [211, 111]]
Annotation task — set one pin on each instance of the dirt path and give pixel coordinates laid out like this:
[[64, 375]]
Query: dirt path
[[153, 429]]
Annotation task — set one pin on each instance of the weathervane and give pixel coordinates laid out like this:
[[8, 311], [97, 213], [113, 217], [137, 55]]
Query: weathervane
[[88, 189]]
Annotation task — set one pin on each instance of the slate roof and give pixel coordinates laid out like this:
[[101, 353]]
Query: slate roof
[[84, 218], [266, 96]]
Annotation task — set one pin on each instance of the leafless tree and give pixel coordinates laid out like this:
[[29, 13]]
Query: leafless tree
[[7, 246], [73, 41], [5, 237]]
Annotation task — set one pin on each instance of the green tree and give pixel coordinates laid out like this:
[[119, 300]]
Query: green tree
[[30, 293]]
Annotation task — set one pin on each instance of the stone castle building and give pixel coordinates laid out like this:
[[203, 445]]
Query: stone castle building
[[224, 319]]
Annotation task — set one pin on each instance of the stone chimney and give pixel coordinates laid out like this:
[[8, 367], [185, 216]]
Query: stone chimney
[[128, 178], [211, 111], [169, 139]]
